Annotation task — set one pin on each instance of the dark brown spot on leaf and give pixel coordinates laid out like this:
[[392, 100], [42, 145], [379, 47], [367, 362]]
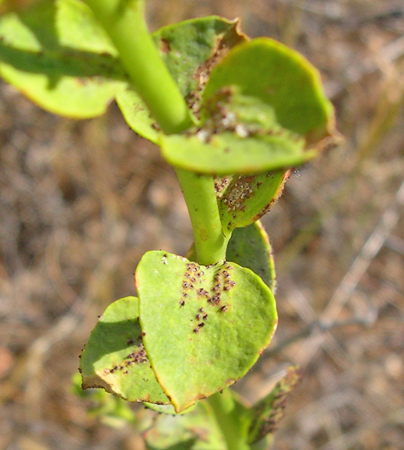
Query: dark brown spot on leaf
[[164, 46]]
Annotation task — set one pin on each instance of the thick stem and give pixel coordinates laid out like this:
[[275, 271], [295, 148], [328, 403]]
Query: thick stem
[[229, 421], [199, 194], [124, 22]]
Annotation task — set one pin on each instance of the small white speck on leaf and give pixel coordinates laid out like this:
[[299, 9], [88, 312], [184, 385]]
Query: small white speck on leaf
[[241, 131]]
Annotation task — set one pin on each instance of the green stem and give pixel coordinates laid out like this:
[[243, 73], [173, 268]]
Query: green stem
[[200, 196], [228, 420], [124, 22]]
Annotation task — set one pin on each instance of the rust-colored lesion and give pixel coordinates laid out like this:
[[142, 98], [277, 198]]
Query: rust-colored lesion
[[164, 46], [199, 397], [221, 185], [241, 189], [95, 382], [224, 43]]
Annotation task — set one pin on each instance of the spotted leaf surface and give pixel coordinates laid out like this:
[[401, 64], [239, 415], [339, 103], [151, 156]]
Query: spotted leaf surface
[[250, 247], [277, 80], [115, 358], [204, 326], [248, 198], [57, 55], [190, 49], [263, 109]]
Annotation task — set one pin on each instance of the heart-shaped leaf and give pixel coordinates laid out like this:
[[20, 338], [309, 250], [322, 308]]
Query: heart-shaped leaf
[[190, 49], [204, 326], [249, 197], [56, 54], [115, 359], [250, 247], [266, 414]]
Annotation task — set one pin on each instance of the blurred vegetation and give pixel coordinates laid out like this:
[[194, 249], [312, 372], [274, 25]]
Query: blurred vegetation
[[82, 201]]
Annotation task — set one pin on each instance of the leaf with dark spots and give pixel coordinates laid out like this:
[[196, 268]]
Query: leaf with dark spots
[[263, 109], [224, 42], [279, 78], [248, 197], [241, 319], [190, 49], [115, 359]]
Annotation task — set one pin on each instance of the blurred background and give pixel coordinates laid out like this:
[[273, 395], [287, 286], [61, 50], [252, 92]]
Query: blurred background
[[82, 201]]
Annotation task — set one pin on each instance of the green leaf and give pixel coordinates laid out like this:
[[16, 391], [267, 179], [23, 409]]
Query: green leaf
[[114, 357], [250, 247], [137, 115], [228, 153], [280, 78], [262, 109], [195, 431], [249, 197], [57, 55], [204, 326], [190, 49], [266, 414]]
